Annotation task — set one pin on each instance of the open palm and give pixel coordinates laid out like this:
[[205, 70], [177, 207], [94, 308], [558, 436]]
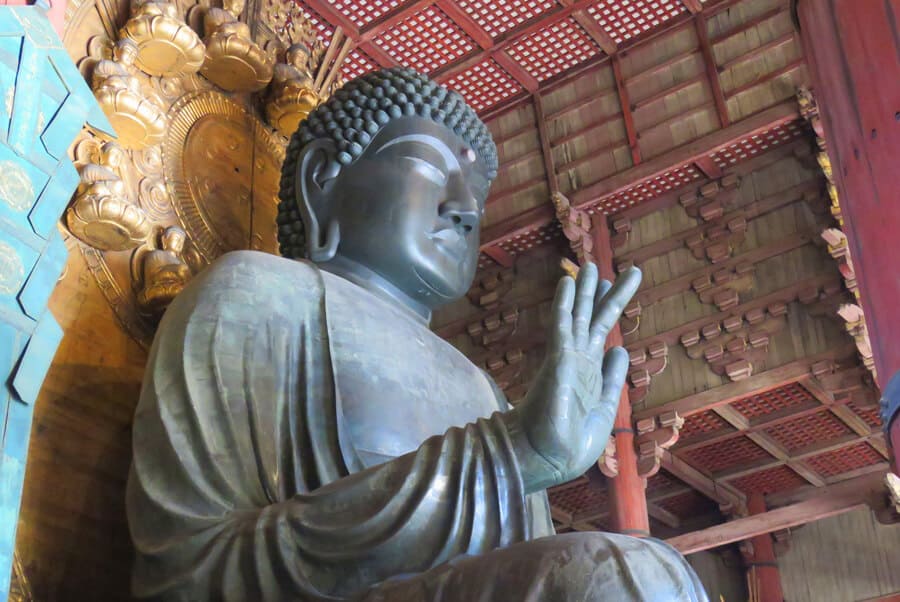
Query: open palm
[[568, 414]]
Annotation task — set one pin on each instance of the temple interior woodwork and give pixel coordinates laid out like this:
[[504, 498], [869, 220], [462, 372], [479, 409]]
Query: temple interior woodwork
[[690, 138]]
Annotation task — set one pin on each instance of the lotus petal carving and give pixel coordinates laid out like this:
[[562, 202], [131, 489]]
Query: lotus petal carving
[[108, 223]]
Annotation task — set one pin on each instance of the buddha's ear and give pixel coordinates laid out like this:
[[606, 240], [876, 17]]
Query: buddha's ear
[[317, 168]]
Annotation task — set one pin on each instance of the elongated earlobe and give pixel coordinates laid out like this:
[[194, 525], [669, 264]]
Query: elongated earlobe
[[316, 168]]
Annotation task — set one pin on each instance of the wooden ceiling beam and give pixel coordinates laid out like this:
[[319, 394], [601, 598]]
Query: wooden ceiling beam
[[871, 481], [662, 515], [763, 381], [687, 153], [829, 503]]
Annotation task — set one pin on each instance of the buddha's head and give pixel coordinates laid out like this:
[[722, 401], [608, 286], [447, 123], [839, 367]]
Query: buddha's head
[[173, 239], [391, 173], [297, 55], [112, 155], [235, 7], [126, 51]]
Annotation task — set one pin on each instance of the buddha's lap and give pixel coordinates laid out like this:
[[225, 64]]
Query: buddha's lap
[[574, 566]]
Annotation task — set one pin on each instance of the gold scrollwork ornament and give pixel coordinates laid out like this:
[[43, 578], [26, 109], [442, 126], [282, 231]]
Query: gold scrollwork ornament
[[166, 46]]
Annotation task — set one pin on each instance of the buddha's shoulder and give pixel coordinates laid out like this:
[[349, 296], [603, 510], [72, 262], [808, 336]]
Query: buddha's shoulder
[[254, 279]]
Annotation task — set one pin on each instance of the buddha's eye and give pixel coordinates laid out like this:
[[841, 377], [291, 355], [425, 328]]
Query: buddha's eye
[[427, 169]]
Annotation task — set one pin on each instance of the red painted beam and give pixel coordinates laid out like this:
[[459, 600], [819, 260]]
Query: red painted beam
[[834, 502], [853, 49], [762, 567]]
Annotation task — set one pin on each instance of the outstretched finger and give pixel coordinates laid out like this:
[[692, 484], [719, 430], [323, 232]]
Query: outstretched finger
[[586, 286], [610, 307], [561, 333], [615, 367]]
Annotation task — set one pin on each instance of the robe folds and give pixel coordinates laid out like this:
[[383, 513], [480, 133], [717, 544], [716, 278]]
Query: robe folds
[[246, 486]]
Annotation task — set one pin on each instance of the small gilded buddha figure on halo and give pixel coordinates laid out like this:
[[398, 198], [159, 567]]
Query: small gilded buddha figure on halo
[[234, 61], [303, 435], [292, 93], [164, 272]]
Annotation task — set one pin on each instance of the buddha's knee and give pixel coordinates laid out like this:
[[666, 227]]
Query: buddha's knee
[[607, 566]]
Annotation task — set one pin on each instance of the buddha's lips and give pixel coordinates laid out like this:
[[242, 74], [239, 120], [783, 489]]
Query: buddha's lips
[[450, 240]]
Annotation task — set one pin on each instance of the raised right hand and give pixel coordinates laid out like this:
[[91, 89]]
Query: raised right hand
[[564, 422]]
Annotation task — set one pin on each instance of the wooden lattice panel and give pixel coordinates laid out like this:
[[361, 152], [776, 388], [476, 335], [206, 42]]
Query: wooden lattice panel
[[871, 414], [820, 427], [704, 423], [528, 240], [625, 19], [724, 454], [687, 505], [484, 85], [780, 478], [662, 483], [497, 18], [773, 400], [844, 460], [363, 12], [759, 143], [356, 63], [580, 498], [648, 190], [426, 40], [554, 49]]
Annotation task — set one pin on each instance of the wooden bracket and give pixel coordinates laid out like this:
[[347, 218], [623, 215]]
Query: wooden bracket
[[732, 346], [646, 363], [494, 327], [654, 436], [608, 463], [488, 291], [576, 227]]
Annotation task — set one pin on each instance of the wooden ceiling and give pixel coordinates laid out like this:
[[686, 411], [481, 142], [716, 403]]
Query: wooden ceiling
[[676, 119]]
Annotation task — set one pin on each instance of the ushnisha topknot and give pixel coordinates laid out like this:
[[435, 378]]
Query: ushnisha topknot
[[355, 113]]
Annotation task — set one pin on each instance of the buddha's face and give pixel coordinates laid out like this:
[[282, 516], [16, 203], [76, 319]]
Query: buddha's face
[[410, 206], [126, 52]]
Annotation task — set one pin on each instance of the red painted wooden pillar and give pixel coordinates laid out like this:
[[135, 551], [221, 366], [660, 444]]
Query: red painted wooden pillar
[[628, 490], [853, 50], [761, 563]]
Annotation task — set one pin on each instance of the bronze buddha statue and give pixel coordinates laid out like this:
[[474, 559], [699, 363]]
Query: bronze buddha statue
[[303, 435]]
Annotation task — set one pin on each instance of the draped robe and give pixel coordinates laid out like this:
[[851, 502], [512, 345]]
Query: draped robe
[[298, 438]]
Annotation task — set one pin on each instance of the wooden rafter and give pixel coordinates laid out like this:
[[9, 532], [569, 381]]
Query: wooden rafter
[[627, 110], [546, 150], [712, 73], [836, 500], [724, 494]]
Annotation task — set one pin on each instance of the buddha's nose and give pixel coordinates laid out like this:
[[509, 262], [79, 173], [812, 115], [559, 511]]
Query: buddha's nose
[[460, 208], [463, 217]]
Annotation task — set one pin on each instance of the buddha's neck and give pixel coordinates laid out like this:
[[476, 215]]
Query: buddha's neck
[[376, 284]]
